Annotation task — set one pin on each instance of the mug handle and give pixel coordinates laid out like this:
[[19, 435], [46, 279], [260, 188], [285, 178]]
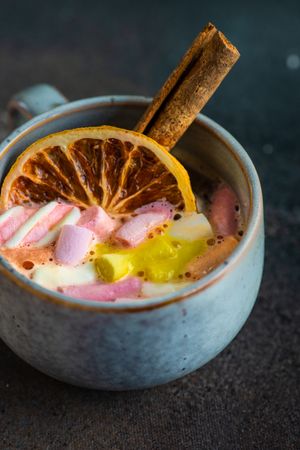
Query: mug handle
[[31, 102]]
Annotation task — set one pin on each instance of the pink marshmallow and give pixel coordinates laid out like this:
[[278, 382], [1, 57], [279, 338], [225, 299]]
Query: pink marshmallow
[[72, 245], [98, 221], [129, 287], [223, 213], [10, 226], [136, 230], [42, 228], [161, 206]]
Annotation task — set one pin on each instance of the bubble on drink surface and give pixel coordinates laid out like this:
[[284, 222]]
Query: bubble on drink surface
[[177, 217], [28, 265]]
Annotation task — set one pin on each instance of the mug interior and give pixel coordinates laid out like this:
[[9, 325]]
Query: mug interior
[[205, 142]]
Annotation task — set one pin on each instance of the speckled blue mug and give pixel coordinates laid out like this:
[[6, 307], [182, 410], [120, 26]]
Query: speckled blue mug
[[141, 343]]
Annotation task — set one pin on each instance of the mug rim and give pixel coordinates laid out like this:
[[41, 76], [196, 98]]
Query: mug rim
[[232, 145]]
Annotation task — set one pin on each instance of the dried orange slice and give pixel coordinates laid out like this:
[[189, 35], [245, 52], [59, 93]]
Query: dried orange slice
[[117, 169]]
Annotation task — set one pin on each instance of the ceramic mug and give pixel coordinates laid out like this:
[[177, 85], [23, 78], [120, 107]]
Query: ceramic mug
[[118, 346]]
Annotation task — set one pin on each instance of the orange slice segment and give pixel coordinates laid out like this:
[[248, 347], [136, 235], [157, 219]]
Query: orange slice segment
[[117, 169]]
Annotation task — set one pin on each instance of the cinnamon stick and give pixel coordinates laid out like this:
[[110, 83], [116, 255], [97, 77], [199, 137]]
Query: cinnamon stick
[[203, 264], [189, 87]]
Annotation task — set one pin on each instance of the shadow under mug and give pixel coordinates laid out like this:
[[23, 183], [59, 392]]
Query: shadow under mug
[[141, 343]]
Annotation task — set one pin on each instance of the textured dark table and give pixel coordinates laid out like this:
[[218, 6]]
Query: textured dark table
[[246, 398]]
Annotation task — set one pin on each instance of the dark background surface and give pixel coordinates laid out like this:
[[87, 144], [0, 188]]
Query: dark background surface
[[246, 398]]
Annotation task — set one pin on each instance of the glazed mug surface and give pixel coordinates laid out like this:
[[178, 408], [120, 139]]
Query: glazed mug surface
[[137, 344]]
